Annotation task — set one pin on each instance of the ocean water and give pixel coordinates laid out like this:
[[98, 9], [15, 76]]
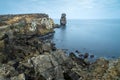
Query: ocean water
[[98, 37]]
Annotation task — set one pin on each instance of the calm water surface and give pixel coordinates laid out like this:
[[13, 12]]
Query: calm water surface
[[98, 37]]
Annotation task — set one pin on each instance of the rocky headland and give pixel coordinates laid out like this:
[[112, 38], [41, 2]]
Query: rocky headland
[[30, 55]]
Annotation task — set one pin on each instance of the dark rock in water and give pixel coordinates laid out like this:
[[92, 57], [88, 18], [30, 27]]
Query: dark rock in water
[[72, 55], [80, 61], [86, 55], [63, 19], [77, 51], [81, 55], [71, 76], [53, 47], [91, 56], [113, 57], [56, 26]]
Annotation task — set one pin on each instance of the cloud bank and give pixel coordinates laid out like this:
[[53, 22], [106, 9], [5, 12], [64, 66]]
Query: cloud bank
[[75, 9]]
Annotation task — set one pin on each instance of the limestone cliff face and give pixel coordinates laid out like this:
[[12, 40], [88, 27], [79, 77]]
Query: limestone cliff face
[[27, 23], [48, 22]]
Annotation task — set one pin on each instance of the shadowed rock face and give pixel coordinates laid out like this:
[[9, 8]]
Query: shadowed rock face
[[55, 65], [35, 60], [63, 19]]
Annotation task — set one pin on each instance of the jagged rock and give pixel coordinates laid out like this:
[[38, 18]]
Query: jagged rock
[[37, 59], [113, 71], [91, 56], [56, 25], [30, 23], [49, 65], [83, 62], [46, 47], [19, 77], [63, 19], [7, 71], [53, 47], [48, 22], [71, 76], [102, 69], [86, 55]]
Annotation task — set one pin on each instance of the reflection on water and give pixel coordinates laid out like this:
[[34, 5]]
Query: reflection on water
[[99, 37]]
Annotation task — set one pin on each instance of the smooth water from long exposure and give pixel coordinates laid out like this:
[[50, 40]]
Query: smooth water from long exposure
[[98, 37]]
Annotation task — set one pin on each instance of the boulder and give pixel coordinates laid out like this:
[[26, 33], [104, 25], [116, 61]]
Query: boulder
[[19, 77], [56, 26], [46, 47], [7, 71], [113, 71], [49, 65]]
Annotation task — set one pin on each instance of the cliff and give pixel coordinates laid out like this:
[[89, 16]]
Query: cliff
[[32, 58], [28, 23]]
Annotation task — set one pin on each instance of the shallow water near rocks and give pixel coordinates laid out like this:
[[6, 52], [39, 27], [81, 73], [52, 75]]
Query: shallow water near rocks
[[98, 37]]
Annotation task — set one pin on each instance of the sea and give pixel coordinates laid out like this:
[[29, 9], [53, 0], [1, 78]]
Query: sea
[[99, 37]]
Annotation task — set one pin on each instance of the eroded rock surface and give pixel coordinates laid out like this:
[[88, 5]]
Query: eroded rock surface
[[30, 57], [55, 65], [27, 23]]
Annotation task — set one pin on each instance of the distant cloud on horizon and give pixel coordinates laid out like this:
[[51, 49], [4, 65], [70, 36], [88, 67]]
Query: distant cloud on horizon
[[77, 9]]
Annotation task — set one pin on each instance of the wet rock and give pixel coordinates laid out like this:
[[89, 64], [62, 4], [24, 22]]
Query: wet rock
[[86, 55], [81, 56], [72, 55], [80, 61], [77, 51], [56, 26], [91, 56]]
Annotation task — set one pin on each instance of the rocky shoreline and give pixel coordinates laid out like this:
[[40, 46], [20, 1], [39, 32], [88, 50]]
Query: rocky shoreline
[[30, 57], [53, 64]]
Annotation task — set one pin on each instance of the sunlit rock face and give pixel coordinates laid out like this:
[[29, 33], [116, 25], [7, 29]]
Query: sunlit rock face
[[48, 22], [27, 23]]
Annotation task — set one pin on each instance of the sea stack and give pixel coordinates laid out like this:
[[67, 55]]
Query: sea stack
[[63, 19]]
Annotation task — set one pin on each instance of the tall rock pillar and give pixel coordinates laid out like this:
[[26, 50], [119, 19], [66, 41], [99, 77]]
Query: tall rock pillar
[[63, 19]]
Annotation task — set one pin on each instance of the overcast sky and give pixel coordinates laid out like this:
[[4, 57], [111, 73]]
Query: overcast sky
[[77, 9]]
